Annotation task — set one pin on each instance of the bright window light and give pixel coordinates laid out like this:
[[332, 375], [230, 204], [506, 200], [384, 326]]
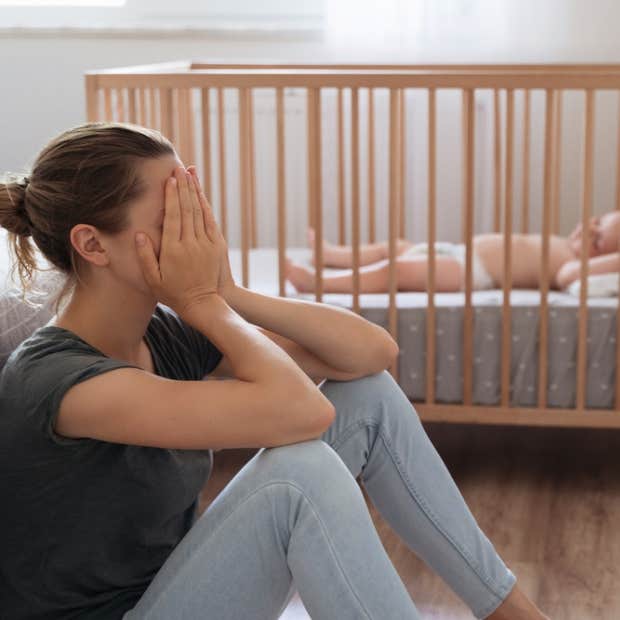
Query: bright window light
[[62, 2]]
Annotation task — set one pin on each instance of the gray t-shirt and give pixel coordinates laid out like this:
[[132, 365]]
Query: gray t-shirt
[[86, 524]]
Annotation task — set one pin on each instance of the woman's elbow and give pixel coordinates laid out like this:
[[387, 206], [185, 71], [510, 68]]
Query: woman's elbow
[[387, 354]]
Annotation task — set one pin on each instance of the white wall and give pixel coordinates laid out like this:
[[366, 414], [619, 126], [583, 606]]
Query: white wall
[[41, 85]]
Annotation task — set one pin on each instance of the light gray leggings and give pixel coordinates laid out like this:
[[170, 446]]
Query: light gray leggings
[[294, 517]]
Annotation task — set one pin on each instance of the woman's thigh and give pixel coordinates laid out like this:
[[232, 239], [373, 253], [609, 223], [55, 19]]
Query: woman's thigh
[[293, 512]]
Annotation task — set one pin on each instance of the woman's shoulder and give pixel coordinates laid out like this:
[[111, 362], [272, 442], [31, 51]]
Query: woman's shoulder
[[48, 340]]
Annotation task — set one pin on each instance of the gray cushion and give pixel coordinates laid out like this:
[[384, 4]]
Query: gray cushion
[[18, 319]]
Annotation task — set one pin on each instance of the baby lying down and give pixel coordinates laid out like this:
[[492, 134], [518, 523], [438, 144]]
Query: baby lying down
[[487, 264]]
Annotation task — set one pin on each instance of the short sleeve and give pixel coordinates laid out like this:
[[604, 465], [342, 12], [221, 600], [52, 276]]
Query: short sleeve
[[70, 371]]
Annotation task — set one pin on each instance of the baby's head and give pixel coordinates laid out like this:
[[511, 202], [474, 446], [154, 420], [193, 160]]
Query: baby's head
[[75, 201], [604, 234]]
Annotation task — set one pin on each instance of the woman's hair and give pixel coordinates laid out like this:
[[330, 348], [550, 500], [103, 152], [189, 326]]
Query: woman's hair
[[89, 174]]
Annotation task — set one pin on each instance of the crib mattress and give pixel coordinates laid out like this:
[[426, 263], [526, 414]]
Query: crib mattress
[[487, 319]]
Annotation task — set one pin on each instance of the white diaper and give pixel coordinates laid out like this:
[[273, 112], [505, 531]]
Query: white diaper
[[481, 278]]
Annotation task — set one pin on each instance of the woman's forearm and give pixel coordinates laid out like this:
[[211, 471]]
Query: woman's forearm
[[253, 356], [335, 335]]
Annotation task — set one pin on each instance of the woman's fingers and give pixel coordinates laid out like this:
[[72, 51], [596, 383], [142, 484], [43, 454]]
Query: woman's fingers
[[172, 215], [200, 225], [209, 219], [147, 259], [187, 209]]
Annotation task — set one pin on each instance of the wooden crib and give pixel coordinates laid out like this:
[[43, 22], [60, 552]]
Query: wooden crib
[[163, 95]]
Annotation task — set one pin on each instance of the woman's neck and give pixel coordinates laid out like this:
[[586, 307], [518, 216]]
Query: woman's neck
[[115, 329]]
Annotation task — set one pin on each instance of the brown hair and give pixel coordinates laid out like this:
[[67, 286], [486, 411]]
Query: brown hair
[[88, 174]]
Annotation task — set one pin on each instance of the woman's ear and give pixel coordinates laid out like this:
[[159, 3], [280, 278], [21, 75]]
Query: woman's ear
[[85, 240]]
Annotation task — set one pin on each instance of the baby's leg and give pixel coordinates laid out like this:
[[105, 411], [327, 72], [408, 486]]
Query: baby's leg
[[411, 275], [341, 256]]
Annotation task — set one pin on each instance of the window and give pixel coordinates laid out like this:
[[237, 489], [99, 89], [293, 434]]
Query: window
[[164, 14]]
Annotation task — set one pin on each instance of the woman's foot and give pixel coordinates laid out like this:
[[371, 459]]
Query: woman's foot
[[517, 606], [300, 276]]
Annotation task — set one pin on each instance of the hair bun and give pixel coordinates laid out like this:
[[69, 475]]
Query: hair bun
[[13, 215]]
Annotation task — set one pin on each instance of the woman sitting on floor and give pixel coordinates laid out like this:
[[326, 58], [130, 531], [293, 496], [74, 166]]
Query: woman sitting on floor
[[107, 428]]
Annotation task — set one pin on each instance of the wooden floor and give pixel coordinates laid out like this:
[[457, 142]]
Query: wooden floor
[[549, 500]]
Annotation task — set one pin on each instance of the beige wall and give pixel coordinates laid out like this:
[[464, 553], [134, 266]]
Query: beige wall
[[41, 85]]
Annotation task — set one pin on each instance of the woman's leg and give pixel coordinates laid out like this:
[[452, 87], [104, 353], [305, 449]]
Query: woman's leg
[[292, 518], [411, 275], [377, 433], [341, 256]]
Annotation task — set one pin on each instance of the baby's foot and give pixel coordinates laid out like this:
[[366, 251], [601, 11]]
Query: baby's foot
[[300, 276]]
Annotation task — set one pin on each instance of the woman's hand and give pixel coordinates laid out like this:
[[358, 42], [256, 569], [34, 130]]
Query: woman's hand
[[226, 283], [188, 268]]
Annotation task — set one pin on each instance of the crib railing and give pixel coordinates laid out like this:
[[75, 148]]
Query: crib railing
[[160, 96]]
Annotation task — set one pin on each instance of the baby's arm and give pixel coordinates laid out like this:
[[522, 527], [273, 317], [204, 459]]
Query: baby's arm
[[571, 270]]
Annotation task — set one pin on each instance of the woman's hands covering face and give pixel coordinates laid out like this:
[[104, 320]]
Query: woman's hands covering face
[[188, 266]]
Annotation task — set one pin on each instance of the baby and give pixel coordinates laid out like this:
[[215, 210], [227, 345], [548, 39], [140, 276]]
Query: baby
[[487, 261]]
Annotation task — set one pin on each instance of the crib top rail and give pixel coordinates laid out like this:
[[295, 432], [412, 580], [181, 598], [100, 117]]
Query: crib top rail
[[188, 74], [188, 64]]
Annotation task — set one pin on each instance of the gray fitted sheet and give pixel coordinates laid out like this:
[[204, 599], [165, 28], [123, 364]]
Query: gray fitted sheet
[[411, 311]]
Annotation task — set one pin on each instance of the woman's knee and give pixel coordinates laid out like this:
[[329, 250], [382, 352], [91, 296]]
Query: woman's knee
[[361, 391], [307, 464], [376, 399]]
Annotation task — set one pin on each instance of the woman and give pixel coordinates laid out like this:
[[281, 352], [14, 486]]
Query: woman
[[107, 431], [487, 261]]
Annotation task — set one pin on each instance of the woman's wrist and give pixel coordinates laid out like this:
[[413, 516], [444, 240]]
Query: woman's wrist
[[228, 292]]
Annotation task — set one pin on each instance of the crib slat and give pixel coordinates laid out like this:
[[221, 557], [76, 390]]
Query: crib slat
[[393, 220], [165, 113], [525, 199], [402, 143], [281, 190], [252, 165], [371, 166], [314, 184], [153, 114], [185, 123], [243, 181], [618, 156], [617, 399], [142, 107], [507, 279], [582, 346], [190, 126], [310, 160], [205, 118], [341, 175], [107, 104], [221, 120], [557, 161], [355, 198], [430, 311], [468, 113], [617, 336], [120, 104], [497, 160], [544, 270], [92, 98], [131, 95]]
